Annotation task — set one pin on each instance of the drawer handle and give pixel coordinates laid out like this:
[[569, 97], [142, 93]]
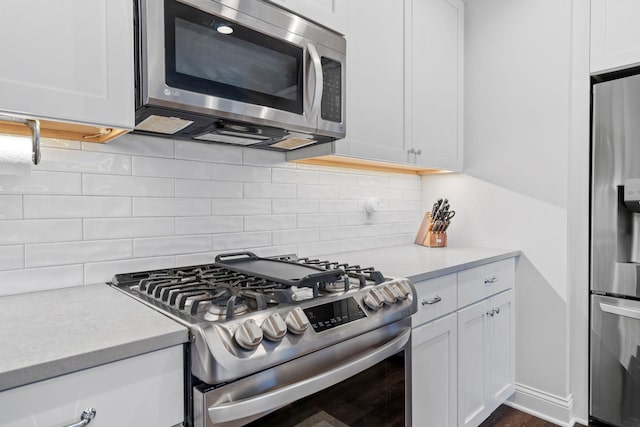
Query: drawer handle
[[490, 280], [433, 300], [85, 418]]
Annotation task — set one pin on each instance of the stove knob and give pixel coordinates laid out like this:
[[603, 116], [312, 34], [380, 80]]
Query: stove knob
[[274, 327], [389, 296], [403, 288], [297, 321], [374, 299], [248, 335]]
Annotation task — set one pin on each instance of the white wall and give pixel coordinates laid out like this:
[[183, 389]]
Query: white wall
[[89, 211], [521, 138]]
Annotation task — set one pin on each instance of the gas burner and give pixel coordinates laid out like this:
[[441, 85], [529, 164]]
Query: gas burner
[[220, 311]]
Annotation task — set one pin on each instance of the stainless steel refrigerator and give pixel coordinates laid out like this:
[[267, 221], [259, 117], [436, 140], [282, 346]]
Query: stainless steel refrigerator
[[615, 252]]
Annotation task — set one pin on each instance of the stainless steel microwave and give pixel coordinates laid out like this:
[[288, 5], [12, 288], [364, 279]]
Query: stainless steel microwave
[[237, 71]]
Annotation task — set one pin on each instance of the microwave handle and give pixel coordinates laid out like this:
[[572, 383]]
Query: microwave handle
[[317, 65]]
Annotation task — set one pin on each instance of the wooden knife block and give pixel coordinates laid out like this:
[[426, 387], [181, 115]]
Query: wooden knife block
[[429, 238]]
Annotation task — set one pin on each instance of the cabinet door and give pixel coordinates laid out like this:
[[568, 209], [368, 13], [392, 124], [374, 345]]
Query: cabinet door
[[615, 34], [473, 363], [434, 79], [68, 60], [501, 336], [375, 99], [434, 373], [142, 391], [330, 13]]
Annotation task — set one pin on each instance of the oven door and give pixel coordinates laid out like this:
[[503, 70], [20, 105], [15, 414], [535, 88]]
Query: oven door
[[361, 381]]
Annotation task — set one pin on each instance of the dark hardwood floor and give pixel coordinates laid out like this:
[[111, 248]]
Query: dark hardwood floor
[[506, 416]]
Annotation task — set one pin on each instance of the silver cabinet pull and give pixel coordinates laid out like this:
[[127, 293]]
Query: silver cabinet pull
[[85, 418], [497, 310], [491, 313], [433, 300], [490, 280]]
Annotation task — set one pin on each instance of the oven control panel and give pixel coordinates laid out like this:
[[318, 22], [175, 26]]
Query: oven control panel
[[335, 313]]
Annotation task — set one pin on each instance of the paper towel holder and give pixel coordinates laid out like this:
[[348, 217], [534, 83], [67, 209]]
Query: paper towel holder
[[34, 126]]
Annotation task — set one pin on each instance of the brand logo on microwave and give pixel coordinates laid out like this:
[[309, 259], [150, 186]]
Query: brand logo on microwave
[[171, 92]]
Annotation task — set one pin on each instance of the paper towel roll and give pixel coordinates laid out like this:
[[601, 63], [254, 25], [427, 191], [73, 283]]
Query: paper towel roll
[[15, 155]]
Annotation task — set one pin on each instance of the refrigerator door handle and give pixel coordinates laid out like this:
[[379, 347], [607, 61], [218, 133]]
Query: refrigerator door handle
[[620, 311]]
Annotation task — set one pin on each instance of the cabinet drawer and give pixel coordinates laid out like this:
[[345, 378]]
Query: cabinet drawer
[[142, 391], [436, 297], [480, 282]]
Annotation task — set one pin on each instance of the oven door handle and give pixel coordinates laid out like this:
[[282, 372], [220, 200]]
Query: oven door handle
[[275, 399]]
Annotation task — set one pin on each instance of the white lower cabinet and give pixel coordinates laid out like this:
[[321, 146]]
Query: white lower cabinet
[[141, 391], [486, 357], [434, 382], [463, 346]]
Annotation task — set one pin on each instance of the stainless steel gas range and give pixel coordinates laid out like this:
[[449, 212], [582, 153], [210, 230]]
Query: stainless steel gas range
[[272, 338]]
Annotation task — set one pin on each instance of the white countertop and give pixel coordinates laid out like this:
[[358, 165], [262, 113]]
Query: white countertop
[[51, 333], [421, 263]]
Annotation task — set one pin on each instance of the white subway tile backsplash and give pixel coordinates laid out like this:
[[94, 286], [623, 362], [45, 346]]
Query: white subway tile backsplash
[[274, 250], [341, 206], [149, 206], [337, 233], [372, 181], [40, 279], [405, 182], [10, 207], [356, 193], [114, 185], [318, 248], [170, 168], [318, 220], [76, 206], [209, 224], [336, 179], [241, 206], [11, 257], [41, 183], [50, 254], [208, 189], [61, 143], [225, 242], [357, 218], [295, 176], [102, 272], [218, 153], [255, 157], [285, 206], [141, 145], [116, 228], [196, 259], [269, 190], [241, 173], [269, 222], [139, 203], [157, 246], [321, 192], [38, 231], [283, 237], [62, 160]]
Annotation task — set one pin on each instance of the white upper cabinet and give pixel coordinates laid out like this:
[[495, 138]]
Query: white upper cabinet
[[375, 98], [329, 13], [615, 35], [434, 82], [68, 61], [404, 85]]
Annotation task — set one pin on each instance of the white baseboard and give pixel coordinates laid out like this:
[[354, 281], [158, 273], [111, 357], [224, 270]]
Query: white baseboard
[[547, 406]]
